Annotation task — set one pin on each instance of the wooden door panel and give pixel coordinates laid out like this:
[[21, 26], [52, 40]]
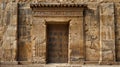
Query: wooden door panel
[[57, 35]]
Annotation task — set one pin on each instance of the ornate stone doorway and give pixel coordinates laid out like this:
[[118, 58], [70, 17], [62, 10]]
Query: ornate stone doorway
[[49, 48], [57, 43]]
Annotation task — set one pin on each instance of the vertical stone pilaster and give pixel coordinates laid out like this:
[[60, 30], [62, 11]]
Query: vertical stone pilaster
[[24, 35], [14, 22], [39, 40], [76, 38], [107, 32], [91, 30], [9, 44], [117, 30]]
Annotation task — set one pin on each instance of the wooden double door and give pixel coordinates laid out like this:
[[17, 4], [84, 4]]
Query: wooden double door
[[57, 43]]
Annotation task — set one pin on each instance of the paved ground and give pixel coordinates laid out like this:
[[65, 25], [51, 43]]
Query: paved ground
[[59, 65]]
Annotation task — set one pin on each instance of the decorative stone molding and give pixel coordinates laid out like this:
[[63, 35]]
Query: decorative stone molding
[[38, 5], [56, 13], [51, 9], [60, 12]]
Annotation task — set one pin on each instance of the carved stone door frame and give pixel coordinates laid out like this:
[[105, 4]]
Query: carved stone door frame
[[46, 13]]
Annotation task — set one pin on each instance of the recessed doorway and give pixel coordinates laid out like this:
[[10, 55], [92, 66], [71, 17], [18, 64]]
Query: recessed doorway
[[57, 43]]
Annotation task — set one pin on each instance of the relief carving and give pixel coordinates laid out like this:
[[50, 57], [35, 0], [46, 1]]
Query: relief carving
[[57, 13], [92, 35], [107, 32], [39, 48]]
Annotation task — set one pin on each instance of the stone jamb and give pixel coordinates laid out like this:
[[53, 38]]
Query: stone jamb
[[64, 11]]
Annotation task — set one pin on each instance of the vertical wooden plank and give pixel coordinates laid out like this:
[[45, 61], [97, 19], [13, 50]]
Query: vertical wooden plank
[[57, 35]]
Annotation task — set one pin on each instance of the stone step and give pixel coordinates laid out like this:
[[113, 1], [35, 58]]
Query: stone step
[[58, 65]]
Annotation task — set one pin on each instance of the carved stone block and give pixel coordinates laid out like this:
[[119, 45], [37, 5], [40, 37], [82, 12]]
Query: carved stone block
[[107, 34], [91, 32]]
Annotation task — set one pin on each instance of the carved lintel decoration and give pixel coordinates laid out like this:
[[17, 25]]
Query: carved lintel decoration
[[56, 13], [57, 9], [39, 5]]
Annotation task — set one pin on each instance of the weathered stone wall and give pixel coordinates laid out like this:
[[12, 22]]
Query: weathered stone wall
[[39, 41], [117, 30], [69, 1], [107, 32], [24, 33], [18, 31], [91, 25], [8, 31]]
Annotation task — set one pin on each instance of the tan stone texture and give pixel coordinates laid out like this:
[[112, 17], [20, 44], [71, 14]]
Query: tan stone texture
[[92, 37], [94, 34], [117, 30], [107, 31], [8, 32]]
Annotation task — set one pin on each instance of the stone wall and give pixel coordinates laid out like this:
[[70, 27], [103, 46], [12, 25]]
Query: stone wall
[[24, 34], [107, 32], [92, 38], [101, 30], [8, 31], [117, 31]]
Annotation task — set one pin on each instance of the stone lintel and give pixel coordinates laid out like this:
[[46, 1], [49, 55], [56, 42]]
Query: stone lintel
[[39, 5]]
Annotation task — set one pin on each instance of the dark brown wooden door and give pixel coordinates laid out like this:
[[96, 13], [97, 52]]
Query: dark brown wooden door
[[57, 35]]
